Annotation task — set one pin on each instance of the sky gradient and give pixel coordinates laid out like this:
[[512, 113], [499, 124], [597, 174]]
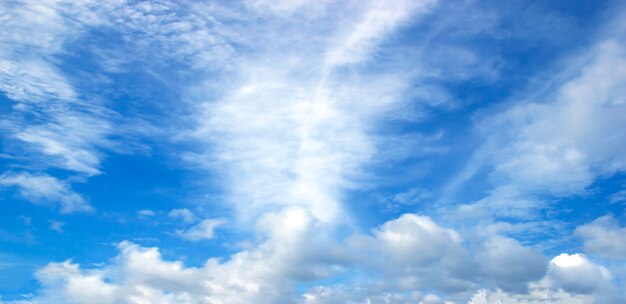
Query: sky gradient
[[312, 151]]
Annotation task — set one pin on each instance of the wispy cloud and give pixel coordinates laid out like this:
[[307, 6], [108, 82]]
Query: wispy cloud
[[310, 142], [205, 230], [56, 226], [557, 146], [49, 116], [146, 213], [183, 214], [47, 190]]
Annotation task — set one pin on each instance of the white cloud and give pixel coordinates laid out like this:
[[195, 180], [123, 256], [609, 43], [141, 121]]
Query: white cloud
[[510, 265], [289, 166], [47, 190], [604, 238], [183, 214], [286, 7], [554, 144], [404, 237], [56, 226], [618, 197], [415, 253], [575, 273], [33, 81], [561, 146], [380, 18], [30, 31], [282, 136], [205, 230], [539, 294], [70, 140], [140, 275], [345, 294], [146, 212], [571, 278], [27, 220], [401, 258], [289, 134], [67, 130]]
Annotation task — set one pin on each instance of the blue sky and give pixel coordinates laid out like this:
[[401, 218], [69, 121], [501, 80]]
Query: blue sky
[[297, 151]]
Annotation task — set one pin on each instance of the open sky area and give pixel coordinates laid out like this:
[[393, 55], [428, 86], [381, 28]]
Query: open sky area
[[312, 151]]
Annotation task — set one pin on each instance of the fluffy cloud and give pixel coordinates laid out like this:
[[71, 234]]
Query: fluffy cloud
[[401, 258], [571, 278], [343, 294], [263, 274], [539, 294], [604, 238], [415, 251], [509, 265], [575, 273], [47, 190]]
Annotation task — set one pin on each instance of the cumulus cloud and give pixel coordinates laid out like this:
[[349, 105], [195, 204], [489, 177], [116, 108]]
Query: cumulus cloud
[[509, 264], [571, 278], [604, 237], [575, 273], [405, 255], [343, 294], [413, 253], [140, 275], [400, 258], [46, 190], [539, 294]]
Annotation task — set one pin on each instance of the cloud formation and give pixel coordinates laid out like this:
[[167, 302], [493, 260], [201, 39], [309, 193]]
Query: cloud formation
[[205, 230], [281, 109], [46, 190], [603, 237]]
